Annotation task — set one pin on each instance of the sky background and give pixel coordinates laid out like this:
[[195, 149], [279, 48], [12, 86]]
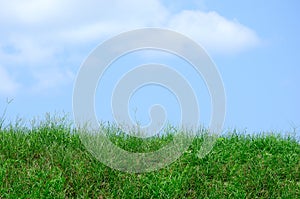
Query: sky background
[[254, 44]]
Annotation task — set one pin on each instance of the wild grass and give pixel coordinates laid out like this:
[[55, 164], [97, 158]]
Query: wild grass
[[48, 160]]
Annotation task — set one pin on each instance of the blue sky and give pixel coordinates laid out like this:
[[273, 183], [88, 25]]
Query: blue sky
[[254, 44]]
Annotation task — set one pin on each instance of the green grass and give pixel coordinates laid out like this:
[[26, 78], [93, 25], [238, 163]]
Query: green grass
[[47, 161]]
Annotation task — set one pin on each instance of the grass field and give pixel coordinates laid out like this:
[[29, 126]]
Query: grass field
[[47, 161]]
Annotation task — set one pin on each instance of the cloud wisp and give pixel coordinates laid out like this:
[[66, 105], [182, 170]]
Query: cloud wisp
[[8, 85], [45, 34]]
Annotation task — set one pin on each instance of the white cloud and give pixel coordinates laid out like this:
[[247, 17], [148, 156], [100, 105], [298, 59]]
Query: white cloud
[[43, 36], [215, 32], [87, 21], [8, 85], [26, 50], [106, 18], [30, 12], [51, 79]]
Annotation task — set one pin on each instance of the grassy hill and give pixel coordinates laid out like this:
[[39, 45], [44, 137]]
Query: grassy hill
[[47, 161]]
